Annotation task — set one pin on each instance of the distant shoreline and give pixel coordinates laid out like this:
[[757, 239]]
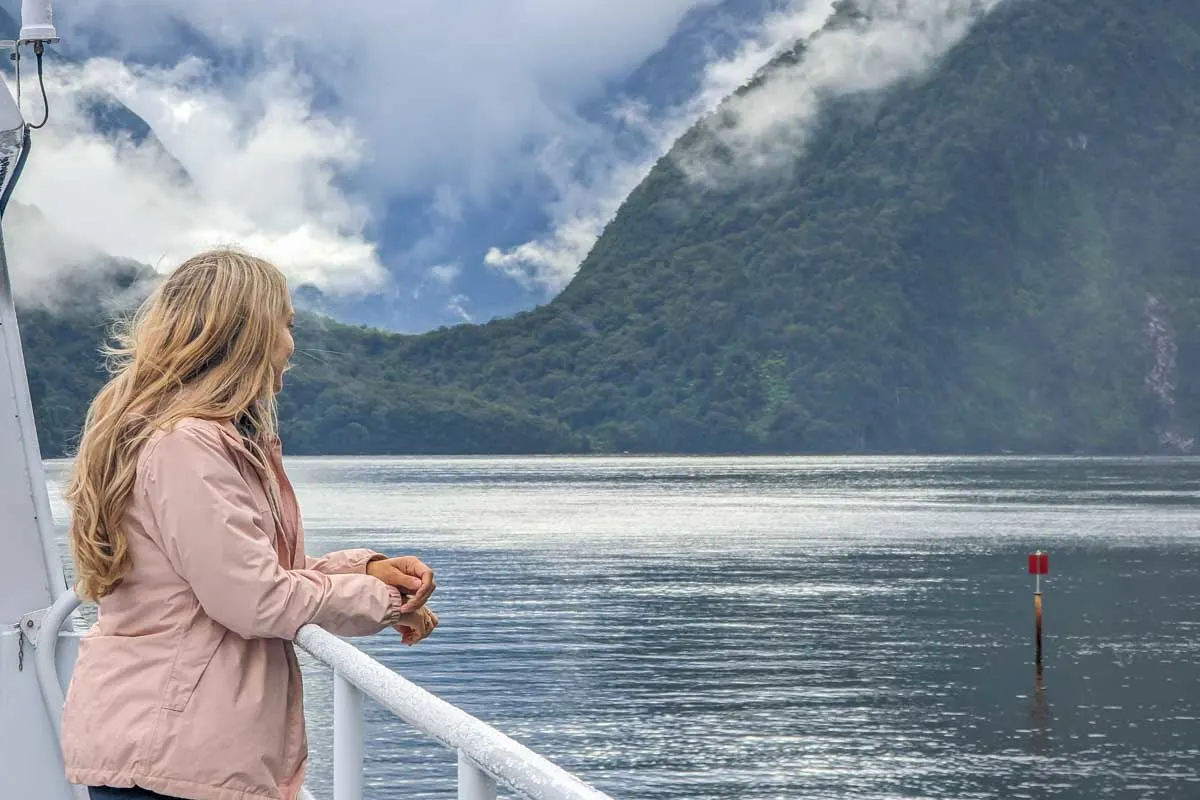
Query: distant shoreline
[[661, 455]]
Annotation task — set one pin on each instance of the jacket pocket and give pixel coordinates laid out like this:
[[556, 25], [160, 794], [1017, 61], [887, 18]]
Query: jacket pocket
[[196, 650]]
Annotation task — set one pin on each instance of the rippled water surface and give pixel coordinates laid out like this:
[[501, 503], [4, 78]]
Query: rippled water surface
[[789, 628]]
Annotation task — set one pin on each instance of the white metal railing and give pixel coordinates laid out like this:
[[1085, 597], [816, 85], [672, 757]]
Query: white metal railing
[[45, 643], [485, 755]]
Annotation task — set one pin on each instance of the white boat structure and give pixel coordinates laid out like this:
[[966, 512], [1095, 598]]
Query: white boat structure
[[39, 628]]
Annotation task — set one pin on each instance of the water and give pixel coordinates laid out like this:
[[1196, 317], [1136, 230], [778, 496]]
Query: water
[[789, 628]]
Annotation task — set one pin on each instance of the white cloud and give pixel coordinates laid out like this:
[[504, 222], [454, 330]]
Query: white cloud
[[445, 93], [549, 264], [458, 307], [766, 129], [262, 168], [445, 274]]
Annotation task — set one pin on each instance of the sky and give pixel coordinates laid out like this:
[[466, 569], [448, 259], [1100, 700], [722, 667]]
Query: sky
[[297, 123], [329, 111]]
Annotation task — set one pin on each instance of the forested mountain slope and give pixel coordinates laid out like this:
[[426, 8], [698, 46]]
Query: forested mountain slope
[[1001, 254]]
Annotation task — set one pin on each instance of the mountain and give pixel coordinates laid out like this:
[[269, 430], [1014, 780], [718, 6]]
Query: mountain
[[995, 255], [999, 255]]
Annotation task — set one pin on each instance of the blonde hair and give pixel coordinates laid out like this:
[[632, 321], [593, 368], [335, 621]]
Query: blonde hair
[[199, 346]]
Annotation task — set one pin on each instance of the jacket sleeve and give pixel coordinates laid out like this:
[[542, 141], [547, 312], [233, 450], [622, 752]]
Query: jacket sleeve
[[343, 562], [216, 540]]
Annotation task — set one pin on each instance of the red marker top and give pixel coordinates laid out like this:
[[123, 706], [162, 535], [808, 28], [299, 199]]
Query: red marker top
[[1039, 563]]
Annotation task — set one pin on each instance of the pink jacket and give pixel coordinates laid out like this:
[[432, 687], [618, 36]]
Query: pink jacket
[[188, 684]]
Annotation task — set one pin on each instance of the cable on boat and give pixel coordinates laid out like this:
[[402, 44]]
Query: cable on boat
[[39, 49]]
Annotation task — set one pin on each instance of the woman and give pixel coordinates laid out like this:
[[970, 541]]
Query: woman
[[187, 533]]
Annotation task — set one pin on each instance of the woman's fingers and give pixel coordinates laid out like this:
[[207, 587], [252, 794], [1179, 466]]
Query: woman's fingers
[[402, 580], [408, 573], [413, 567], [415, 626]]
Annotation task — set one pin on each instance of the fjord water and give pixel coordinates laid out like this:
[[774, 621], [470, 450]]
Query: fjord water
[[788, 627]]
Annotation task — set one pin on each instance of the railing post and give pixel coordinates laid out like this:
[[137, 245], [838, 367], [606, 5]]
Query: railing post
[[474, 783], [482, 751], [347, 739]]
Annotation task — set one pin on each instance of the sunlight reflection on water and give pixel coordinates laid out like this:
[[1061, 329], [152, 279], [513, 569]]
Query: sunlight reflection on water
[[788, 627]]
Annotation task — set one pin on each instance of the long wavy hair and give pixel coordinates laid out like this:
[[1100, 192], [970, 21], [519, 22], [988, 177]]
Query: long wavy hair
[[199, 346]]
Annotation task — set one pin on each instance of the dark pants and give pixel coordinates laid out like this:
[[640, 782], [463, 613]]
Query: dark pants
[[108, 793]]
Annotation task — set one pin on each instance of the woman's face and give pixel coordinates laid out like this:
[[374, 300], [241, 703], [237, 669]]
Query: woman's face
[[284, 346]]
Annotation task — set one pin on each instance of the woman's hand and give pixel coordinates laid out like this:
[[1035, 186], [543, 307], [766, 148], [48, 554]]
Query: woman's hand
[[415, 626], [409, 575]]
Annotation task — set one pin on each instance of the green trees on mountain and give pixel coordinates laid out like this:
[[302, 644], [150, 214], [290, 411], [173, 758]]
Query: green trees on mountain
[[1000, 255]]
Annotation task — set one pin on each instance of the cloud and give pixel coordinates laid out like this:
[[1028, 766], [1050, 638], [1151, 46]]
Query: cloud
[[439, 109], [765, 130], [259, 168], [445, 274], [548, 264], [458, 306], [585, 204], [445, 94]]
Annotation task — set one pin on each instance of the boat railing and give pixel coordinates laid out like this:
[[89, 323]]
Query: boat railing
[[487, 758]]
